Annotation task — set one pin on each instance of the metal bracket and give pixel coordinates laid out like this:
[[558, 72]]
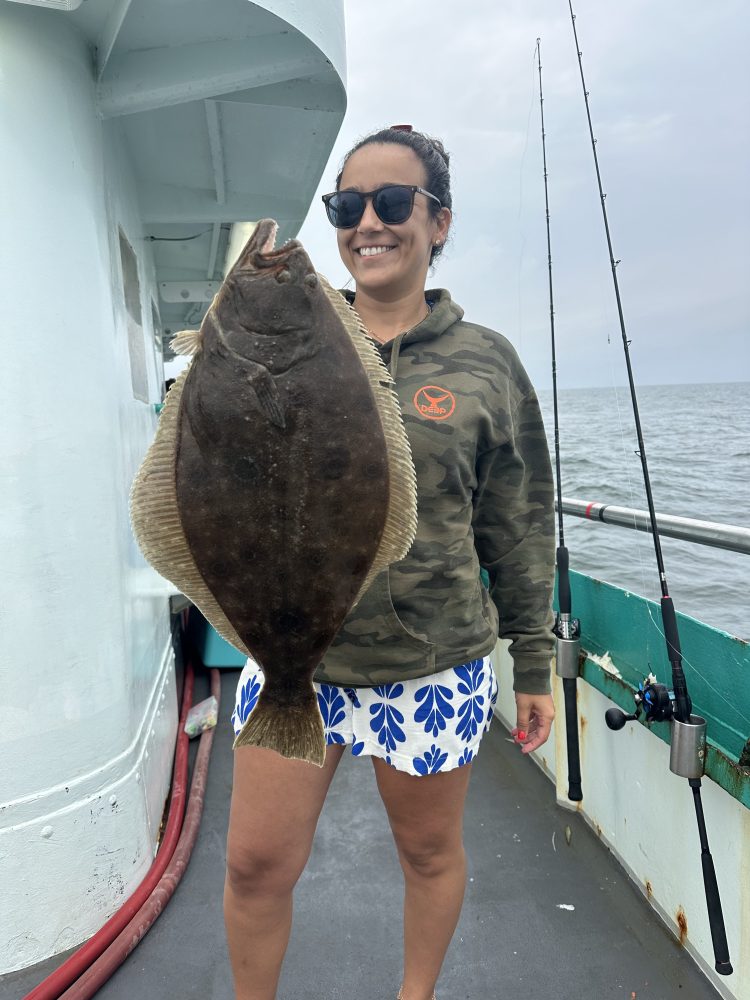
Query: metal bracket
[[188, 291]]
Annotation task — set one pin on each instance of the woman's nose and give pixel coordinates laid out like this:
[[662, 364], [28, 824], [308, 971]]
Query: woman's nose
[[369, 220]]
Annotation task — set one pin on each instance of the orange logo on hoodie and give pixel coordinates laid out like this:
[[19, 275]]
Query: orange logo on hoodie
[[434, 403]]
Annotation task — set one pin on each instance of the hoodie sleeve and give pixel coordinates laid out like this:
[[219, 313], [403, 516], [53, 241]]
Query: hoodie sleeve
[[514, 533]]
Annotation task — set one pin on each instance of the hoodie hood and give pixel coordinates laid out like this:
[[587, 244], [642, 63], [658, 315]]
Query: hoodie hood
[[445, 312]]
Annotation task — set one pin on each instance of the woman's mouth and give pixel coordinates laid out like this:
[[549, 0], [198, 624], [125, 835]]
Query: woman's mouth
[[373, 251]]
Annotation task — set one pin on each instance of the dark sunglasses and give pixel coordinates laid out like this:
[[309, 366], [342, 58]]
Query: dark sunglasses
[[392, 203]]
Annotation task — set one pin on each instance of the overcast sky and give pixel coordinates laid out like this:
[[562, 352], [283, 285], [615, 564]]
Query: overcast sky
[[670, 98]]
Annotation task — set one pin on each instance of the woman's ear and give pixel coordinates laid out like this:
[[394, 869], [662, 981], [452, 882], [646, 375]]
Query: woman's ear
[[443, 219]]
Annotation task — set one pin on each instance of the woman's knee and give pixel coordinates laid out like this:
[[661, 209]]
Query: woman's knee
[[274, 811], [430, 857], [264, 869]]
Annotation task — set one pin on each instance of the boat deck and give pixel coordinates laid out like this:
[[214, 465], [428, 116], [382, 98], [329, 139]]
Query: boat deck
[[513, 938]]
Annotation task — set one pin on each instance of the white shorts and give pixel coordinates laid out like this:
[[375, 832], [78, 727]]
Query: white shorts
[[420, 726]]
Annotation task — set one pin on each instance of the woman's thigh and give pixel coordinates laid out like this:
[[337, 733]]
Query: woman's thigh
[[425, 811], [276, 803]]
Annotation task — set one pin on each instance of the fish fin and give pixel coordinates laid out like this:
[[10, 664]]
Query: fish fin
[[258, 376], [186, 342], [401, 516], [294, 731], [155, 518], [269, 400]]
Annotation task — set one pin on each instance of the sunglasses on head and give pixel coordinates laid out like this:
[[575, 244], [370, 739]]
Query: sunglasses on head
[[392, 203]]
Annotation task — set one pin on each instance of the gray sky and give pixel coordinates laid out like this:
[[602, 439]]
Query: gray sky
[[670, 98]]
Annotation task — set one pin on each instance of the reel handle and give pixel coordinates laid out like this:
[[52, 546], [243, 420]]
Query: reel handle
[[616, 718]]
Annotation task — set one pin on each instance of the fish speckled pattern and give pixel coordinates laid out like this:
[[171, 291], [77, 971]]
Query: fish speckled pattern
[[280, 481]]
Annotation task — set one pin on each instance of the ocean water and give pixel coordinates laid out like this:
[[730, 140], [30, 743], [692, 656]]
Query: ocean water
[[697, 442]]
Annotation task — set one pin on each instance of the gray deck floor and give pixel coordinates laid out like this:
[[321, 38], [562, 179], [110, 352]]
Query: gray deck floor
[[512, 939]]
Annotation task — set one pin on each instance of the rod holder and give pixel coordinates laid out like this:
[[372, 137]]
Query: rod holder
[[687, 757], [566, 662]]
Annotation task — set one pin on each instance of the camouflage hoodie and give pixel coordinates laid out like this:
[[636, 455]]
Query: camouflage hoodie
[[484, 499]]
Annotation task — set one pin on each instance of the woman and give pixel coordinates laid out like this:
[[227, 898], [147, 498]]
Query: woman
[[408, 680]]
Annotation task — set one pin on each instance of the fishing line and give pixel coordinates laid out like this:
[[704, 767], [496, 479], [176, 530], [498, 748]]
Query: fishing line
[[635, 496], [641, 541], [706, 681], [606, 323], [636, 501], [646, 588], [683, 701]]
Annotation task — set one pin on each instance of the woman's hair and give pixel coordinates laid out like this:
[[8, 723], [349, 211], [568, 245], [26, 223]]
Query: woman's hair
[[432, 155]]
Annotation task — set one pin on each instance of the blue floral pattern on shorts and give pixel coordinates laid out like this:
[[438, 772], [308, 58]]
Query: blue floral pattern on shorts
[[421, 726]]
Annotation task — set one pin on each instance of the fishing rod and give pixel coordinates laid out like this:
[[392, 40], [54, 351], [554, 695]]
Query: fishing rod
[[656, 701], [567, 629]]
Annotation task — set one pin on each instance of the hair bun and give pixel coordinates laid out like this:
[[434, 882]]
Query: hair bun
[[439, 148]]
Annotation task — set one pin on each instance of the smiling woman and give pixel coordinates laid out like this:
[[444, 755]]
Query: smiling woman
[[408, 681], [392, 212]]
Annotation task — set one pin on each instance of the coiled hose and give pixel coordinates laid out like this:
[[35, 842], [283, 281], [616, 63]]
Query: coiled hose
[[94, 962]]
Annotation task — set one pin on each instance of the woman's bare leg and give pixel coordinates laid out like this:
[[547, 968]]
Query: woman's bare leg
[[426, 817], [275, 808]]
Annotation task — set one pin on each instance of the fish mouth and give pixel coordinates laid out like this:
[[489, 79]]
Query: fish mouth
[[263, 238], [259, 253]]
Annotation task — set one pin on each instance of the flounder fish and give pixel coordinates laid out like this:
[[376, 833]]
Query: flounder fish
[[280, 479]]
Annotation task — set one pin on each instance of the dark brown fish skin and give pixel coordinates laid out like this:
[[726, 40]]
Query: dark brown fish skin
[[281, 471]]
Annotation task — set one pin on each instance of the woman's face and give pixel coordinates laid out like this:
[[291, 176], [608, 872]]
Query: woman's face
[[402, 267]]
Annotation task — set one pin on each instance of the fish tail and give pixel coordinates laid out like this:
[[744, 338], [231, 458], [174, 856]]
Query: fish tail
[[295, 731]]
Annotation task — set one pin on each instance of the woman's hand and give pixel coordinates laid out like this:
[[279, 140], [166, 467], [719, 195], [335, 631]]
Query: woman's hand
[[534, 715]]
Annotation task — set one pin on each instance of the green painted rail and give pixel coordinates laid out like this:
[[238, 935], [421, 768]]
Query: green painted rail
[[717, 667]]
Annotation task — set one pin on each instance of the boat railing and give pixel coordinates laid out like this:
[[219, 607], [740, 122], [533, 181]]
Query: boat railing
[[719, 536]]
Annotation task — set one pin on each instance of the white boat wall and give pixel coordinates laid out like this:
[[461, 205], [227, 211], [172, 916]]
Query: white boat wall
[[641, 810], [134, 134]]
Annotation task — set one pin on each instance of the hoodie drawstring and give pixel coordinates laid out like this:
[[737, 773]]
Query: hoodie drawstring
[[395, 351]]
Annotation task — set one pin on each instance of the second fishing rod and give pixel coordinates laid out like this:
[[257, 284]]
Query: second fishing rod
[[567, 629], [656, 701]]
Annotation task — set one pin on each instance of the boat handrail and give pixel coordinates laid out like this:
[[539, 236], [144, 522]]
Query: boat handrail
[[719, 536]]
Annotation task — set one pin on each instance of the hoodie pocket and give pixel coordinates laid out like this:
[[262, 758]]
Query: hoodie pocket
[[375, 645], [420, 642]]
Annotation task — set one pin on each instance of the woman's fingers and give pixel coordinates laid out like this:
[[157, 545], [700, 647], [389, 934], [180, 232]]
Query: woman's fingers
[[538, 733], [534, 717]]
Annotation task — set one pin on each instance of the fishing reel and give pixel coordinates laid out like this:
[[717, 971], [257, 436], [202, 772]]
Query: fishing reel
[[655, 700], [687, 756]]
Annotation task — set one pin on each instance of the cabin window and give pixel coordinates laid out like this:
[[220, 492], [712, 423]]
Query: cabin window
[[134, 320]]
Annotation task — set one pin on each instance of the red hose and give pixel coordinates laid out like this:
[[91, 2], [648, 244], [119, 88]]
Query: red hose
[[51, 987], [136, 930]]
